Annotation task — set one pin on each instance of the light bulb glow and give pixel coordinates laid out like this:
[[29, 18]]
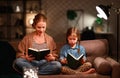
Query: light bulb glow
[[31, 21], [101, 13]]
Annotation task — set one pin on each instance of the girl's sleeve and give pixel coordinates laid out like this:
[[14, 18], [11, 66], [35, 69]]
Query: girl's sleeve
[[84, 52], [63, 53]]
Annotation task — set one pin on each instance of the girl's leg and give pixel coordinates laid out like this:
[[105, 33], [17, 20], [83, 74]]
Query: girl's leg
[[86, 68], [67, 70]]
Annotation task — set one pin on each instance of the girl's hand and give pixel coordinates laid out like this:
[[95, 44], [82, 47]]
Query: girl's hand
[[82, 61], [49, 57], [63, 61]]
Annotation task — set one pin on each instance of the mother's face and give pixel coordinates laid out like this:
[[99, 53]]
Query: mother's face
[[40, 27]]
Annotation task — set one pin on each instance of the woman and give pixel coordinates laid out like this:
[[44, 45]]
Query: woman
[[38, 39], [74, 48]]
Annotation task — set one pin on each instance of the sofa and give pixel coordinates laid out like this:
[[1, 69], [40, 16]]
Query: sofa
[[97, 53]]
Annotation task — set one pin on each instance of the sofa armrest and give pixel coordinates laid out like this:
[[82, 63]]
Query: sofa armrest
[[115, 67], [102, 66]]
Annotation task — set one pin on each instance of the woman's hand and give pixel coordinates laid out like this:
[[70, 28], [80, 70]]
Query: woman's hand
[[55, 55], [63, 61], [30, 58], [49, 57]]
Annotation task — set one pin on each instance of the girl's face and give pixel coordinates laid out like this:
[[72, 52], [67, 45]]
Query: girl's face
[[72, 40], [40, 27]]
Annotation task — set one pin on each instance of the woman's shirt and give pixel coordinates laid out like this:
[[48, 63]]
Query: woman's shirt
[[74, 51], [39, 46]]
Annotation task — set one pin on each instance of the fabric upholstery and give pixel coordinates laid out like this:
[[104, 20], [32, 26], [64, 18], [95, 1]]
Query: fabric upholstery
[[102, 66], [95, 48]]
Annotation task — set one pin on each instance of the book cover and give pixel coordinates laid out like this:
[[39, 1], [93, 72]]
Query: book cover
[[38, 54], [74, 62]]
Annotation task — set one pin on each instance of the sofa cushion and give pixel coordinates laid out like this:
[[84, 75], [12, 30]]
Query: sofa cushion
[[102, 66], [95, 48]]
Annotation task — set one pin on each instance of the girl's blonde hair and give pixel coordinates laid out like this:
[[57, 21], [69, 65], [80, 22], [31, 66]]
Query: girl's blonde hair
[[74, 31]]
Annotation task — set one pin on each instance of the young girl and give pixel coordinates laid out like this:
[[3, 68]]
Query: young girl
[[73, 47]]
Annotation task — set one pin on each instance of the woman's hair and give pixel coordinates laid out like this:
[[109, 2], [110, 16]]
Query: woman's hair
[[73, 30], [37, 18]]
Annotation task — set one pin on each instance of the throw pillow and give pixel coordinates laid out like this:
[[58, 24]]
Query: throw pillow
[[102, 66]]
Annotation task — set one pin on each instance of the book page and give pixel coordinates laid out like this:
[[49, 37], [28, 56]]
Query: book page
[[75, 57], [38, 50], [44, 49], [33, 49]]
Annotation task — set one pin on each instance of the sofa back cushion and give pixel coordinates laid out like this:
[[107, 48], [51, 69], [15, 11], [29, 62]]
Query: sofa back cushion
[[95, 48]]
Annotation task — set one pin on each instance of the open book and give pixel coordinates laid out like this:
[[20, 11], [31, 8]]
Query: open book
[[74, 62], [38, 54]]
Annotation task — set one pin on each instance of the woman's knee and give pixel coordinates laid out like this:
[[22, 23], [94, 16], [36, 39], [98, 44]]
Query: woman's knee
[[56, 66], [56, 63], [53, 67], [18, 60]]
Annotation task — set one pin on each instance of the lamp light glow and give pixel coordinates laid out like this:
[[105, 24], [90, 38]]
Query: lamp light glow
[[103, 11], [31, 21]]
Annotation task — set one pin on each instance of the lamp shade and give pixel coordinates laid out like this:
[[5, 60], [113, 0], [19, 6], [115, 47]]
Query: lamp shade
[[103, 11]]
